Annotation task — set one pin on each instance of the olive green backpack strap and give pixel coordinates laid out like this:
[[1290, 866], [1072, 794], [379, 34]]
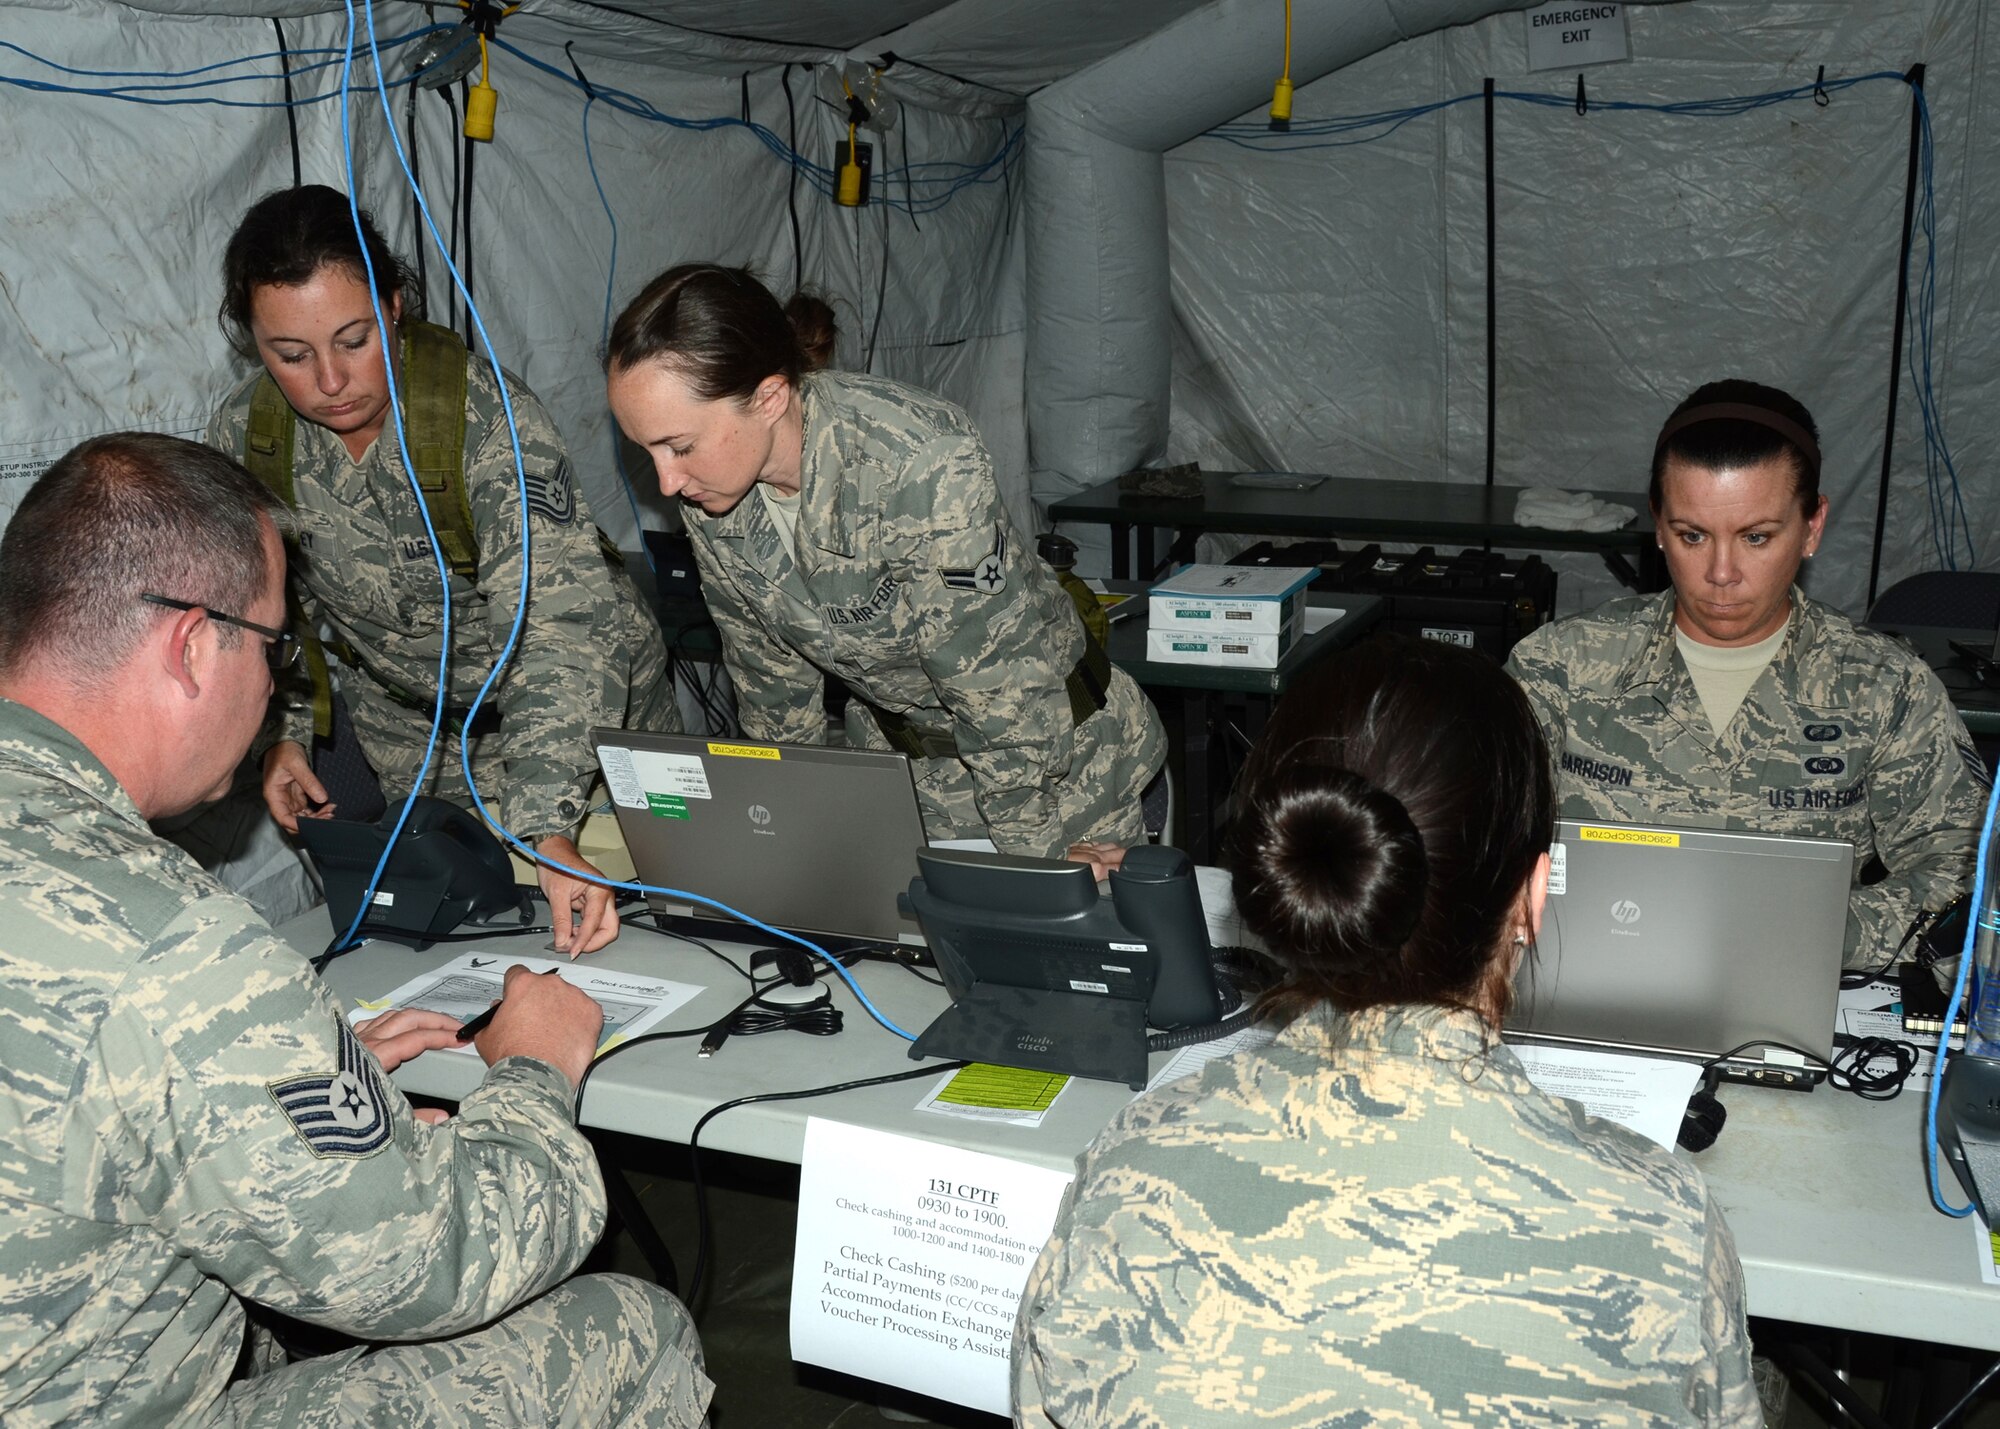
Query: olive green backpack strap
[[434, 368], [267, 454], [267, 441]]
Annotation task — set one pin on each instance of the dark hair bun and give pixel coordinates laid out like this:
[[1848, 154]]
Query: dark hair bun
[[1337, 872], [813, 324]]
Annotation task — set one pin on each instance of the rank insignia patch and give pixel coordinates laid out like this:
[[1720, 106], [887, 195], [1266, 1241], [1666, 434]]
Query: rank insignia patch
[[344, 1113], [554, 496], [987, 575]]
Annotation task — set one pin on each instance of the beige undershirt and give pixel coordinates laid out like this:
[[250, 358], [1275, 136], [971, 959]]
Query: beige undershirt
[[1723, 675], [784, 511]]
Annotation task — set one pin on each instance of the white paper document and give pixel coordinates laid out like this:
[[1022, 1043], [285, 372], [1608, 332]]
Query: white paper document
[[1647, 1094], [1218, 908], [468, 985], [1189, 1060], [1875, 1009], [911, 1260]]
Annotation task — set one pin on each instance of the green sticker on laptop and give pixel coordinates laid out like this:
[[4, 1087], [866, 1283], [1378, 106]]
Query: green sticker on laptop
[[667, 806]]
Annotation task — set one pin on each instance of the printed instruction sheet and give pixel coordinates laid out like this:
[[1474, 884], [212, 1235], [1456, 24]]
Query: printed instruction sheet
[[1647, 1094], [911, 1259], [469, 984]]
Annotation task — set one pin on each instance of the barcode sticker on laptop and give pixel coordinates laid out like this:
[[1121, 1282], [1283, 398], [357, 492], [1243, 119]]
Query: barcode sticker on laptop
[[620, 777], [1558, 870], [682, 774]]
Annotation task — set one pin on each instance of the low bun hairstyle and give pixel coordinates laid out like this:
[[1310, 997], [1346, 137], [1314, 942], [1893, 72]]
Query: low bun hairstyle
[[722, 330], [1391, 818], [813, 324]]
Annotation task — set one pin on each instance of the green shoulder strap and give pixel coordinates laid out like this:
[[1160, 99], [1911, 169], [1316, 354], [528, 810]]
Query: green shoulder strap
[[267, 442], [434, 365]]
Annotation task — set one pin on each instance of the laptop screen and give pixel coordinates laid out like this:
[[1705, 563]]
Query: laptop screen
[[804, 837], [1689, 941]]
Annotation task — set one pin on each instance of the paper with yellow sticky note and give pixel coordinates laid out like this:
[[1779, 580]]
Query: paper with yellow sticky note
[[981, 1092]]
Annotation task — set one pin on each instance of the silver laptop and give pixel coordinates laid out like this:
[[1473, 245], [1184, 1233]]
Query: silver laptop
[[1686, 941], [803, 837]]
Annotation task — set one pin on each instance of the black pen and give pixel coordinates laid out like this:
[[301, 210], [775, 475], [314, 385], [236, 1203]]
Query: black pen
[[472, 1028]]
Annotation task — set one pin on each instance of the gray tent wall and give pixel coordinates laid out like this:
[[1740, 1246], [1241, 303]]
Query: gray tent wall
[[1099, 317], [1325, 308], [112, 235]]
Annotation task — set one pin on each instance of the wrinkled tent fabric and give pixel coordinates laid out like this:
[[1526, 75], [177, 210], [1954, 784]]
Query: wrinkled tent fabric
[[1329, 307], [1318, 310], [117, 214]]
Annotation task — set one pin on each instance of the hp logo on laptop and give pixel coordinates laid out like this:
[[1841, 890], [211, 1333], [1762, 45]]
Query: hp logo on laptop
[[759, 815], [1624, 911]]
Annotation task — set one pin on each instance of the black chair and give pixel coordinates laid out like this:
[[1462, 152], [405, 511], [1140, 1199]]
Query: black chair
[[1951, 600], [1968, 600]]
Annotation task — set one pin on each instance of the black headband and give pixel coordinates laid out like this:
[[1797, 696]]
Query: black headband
[[1764, 417]]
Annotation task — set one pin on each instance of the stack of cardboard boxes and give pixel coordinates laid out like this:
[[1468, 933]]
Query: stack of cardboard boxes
[[1228, 615]]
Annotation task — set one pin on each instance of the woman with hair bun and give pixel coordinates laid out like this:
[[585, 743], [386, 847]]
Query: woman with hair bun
[[1378, 1218], [875, 549]]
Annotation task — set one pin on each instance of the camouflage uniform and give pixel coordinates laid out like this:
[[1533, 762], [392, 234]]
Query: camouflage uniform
[[1847, 735], [1380, 1220], [187, 1123], [915, 589], [589, 652]]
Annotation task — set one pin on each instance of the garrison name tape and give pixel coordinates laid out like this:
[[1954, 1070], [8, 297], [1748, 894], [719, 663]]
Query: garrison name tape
[[1652, 838]]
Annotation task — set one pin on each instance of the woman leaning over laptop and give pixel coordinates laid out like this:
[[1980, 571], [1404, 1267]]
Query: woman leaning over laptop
[[1378, 1218], [1734, 701], [849, 525]]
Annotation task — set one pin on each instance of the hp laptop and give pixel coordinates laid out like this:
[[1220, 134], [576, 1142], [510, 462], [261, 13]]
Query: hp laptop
[[1686, 942], [804, 837]]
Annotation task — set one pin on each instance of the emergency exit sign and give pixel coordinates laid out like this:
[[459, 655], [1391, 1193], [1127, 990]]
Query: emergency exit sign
[[1566, 33]]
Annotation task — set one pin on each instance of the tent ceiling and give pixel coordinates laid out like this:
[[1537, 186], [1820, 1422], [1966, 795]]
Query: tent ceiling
[[1013, 45], [1017, 45]]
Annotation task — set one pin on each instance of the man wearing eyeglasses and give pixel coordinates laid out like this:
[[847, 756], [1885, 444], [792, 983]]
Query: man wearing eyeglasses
[[187, 1123]]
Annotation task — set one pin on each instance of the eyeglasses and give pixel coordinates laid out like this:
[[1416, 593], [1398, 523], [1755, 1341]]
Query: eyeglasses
[[282, 651]]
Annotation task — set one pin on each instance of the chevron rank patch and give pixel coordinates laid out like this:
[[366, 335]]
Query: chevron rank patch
[[987, 575], [1974, 765], [554, 496], [342, 1114]]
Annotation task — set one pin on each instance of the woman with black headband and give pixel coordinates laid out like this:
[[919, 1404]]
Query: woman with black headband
[[1734, 701]]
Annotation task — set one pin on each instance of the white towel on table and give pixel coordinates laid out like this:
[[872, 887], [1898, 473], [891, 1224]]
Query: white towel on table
[[1555, 510]]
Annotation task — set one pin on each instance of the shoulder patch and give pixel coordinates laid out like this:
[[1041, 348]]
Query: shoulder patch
[[988, 575], [553, 497], [344, 1113]]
